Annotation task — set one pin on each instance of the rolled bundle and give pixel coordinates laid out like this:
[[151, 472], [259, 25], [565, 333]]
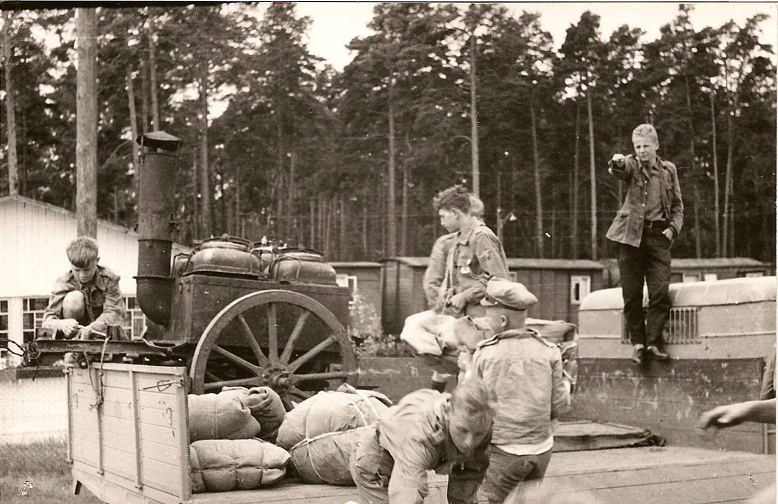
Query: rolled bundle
[[220, 416], [331, 411], [265, 406], [222, 465], [431, 333], [325, 458]]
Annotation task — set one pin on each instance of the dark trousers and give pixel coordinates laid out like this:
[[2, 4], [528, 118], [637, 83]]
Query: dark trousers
[[649, 264], [507, 471]]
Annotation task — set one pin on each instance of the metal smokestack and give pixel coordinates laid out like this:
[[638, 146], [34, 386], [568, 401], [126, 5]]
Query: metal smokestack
[[156, 208]]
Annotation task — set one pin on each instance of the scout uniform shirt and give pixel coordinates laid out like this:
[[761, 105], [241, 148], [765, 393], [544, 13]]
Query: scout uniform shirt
[[415, 433], [476, 256], [525, 371], [104, 305]]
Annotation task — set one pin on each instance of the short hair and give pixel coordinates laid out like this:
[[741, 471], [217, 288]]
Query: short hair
[[476, 400], [456, 197], [476, 206], [646, 131], [82, 252]]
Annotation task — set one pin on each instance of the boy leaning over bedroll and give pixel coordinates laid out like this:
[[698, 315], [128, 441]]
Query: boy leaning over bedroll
[[525, 373], [426, 430], [86, 298]]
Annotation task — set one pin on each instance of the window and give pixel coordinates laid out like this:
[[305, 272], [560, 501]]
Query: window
[[350, 281], [32, 315], [711, 277], [580, 286], [3, 326], [134, 321], [691, 277]]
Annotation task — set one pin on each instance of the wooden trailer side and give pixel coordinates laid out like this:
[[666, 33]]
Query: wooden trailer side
[[127, 437]]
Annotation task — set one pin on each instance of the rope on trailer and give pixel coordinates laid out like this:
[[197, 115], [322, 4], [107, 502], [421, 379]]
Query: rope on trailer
[[20, 347], [100, 389]]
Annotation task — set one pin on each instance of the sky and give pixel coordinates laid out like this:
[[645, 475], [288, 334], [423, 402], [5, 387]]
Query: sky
[[336, 23]]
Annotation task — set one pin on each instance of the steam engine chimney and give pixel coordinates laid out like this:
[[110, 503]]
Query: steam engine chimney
[[156, 225]]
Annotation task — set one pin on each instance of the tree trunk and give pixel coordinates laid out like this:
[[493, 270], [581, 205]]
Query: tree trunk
[[514, 199], [474, 115], [406, 183], [290, 203], [728, 183], [10, 107], [342, 237], [693, 171], [205, 172], [22, 161], [238, 216], [576, 156], [716, 196], [313, 222], [86, 123], [144, 93], [133, 130], [195, 199], [364, 231], [390, 210], [593, 175], [321, 232], [539, 247], [155, 124], [222, 208]]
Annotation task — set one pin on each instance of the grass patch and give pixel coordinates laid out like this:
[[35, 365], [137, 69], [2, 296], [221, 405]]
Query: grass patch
[[39, 470]]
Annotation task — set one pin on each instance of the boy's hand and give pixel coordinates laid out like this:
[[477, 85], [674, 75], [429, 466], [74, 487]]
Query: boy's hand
[[84, 332], [68, 327], [458, 301], [668, 233], [464, 359], [618, 158]]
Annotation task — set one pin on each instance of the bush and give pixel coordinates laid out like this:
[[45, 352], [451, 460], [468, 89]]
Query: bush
[[365, 332]]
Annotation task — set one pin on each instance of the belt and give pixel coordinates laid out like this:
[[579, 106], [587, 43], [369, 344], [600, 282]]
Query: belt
[[655, 224]]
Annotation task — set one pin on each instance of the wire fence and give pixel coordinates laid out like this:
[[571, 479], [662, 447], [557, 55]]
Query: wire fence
[[33, 409]]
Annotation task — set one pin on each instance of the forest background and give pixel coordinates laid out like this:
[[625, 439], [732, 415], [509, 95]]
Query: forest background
[[348, 161]]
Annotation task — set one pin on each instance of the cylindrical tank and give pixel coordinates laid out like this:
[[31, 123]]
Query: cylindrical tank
[[302, 265], [155, 225]]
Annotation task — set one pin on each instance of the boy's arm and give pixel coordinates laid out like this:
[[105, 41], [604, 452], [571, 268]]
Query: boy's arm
[[620, 166], [464, 480], [489, 253], [53, 312], [560, 396], [436, 271], [676, 207], [408, 482]]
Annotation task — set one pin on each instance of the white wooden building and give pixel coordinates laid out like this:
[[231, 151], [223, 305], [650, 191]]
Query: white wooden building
[[33, 237]]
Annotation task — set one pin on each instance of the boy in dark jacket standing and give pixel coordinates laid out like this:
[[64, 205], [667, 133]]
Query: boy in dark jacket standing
[[646, 226]]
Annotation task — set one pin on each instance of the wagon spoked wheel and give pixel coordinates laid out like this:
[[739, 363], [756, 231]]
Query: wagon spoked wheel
[[277, 338]]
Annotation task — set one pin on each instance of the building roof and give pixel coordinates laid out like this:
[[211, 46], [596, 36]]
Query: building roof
[[355, 264], [514, 263], [34, 237], [716, 262], [24, 200]]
